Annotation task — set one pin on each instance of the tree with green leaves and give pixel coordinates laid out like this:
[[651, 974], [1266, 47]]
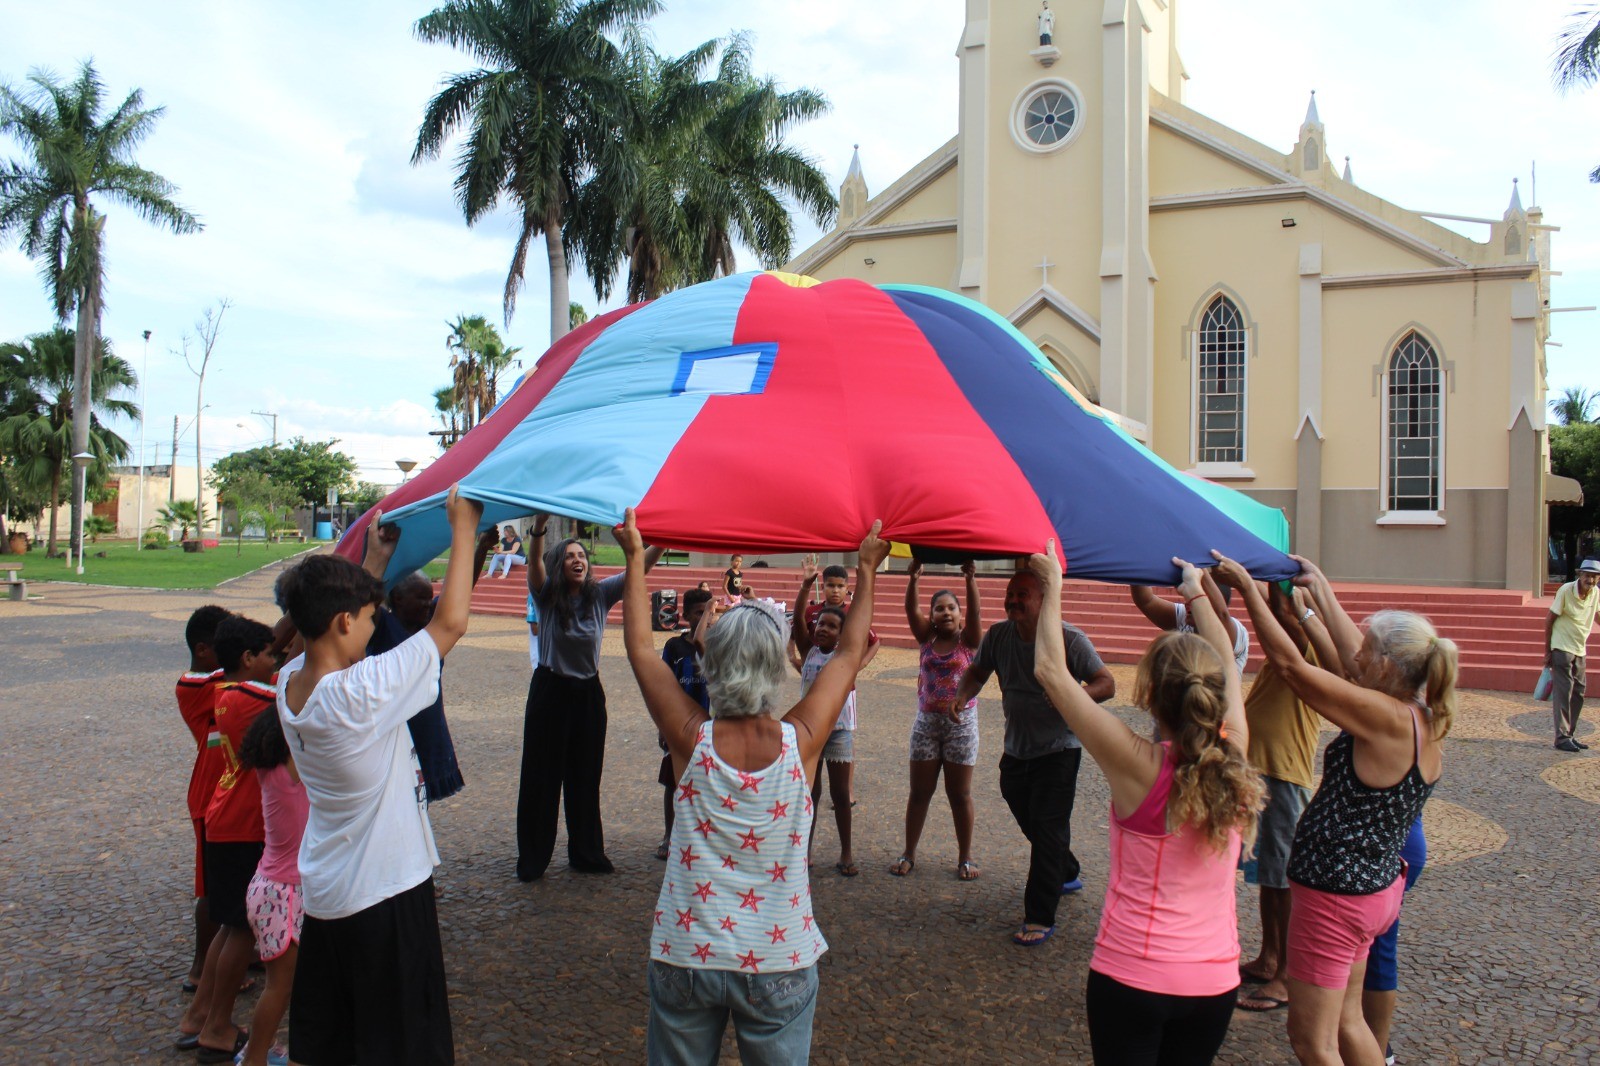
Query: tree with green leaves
[[38, 413], [1574, 405], [478, 356], [304, 469], [541, 112], [256, 500], [1577, 59], [708, 166], [1575, 453], [76, 152]]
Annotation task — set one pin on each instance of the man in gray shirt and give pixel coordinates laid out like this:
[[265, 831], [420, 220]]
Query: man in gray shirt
[[1039, 770]]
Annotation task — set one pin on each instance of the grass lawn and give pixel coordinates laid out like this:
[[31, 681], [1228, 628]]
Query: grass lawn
[[172, 568]]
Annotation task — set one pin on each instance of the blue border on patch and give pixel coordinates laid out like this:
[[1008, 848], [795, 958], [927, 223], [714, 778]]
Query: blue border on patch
[[767, 351]]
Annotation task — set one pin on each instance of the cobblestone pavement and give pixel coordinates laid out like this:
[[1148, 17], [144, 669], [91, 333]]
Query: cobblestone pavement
[[1498, 959]]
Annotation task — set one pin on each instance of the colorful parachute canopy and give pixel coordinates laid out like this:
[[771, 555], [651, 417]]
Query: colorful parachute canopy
[[769, 413]]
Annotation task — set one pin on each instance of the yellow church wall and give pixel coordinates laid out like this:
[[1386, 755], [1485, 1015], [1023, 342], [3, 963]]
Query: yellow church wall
[[934, 201], [1179, 166], [1050, 202], [1194, 253], [908, 259], [1469, 325]]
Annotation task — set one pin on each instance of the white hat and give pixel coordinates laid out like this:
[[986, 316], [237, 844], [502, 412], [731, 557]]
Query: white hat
[[1589, 566]]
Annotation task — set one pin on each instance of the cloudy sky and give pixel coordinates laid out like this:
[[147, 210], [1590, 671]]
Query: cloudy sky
[[289, 128]]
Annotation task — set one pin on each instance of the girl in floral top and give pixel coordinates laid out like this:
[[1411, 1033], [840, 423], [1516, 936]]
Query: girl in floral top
[[733, 933], [945, 734]]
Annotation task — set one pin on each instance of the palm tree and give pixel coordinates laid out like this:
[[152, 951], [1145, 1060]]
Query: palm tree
[[75, 154], [709, 167], [444, 404], [1573, 405], [542, 112], [1577, 58], [38, 431], [478, 356]]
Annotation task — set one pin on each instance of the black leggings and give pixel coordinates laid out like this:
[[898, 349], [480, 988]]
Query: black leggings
[[1130, 1027]]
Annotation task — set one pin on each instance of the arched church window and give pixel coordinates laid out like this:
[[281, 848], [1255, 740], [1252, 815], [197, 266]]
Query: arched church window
[[1221, 354], [1414, 420], [1313, 157]]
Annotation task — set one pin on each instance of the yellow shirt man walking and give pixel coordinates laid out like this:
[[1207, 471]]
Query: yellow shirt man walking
[[1567, 631]]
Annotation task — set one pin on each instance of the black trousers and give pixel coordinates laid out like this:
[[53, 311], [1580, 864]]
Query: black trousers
[[1040, 792], [1131, 1027], [563, 753]]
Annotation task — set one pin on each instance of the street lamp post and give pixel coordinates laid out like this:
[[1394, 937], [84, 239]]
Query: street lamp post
[[138, 533], [406, 466], [81, 461]]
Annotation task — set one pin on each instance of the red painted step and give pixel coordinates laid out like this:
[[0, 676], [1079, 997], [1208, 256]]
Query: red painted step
[[1500, 633]]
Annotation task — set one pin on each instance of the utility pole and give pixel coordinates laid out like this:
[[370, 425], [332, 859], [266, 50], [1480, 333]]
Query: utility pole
[[172, 468], [144, 375], [274, 416]]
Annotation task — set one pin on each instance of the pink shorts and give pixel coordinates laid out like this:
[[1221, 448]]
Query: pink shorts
[[276, 915], [1330, 933]]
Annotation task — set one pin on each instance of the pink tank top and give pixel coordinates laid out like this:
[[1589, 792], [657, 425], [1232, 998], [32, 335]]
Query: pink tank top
[[1168, 924], [283, 807]]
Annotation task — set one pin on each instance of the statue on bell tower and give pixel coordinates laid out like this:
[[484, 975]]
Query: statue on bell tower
[[1047, 24]]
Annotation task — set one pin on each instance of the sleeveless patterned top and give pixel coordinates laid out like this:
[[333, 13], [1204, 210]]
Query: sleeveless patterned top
[[1349, 838], [737, 894], [939, 676]]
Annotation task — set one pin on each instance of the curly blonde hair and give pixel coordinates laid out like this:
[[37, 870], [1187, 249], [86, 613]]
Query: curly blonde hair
[[1214, 788]]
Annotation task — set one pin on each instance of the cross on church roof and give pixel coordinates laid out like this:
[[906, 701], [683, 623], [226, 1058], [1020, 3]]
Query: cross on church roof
[[1044, 271]]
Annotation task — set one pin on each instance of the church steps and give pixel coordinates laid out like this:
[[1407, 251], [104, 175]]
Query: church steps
[[1500, 632]]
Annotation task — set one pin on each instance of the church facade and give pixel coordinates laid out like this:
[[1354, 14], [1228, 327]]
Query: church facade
[[1252, 315]]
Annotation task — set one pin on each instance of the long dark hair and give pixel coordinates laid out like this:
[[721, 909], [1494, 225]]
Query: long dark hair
[[264, 745], [553, 596]]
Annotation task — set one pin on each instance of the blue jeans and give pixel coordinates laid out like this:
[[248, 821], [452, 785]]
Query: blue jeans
[[689, 1011]]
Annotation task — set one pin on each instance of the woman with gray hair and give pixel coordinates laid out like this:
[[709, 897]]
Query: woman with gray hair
[[1346, 872], [733, 933], [564, 725]]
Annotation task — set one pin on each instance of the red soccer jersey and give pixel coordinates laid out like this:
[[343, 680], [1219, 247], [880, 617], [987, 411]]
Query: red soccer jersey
[[197, 703], [235, 811]]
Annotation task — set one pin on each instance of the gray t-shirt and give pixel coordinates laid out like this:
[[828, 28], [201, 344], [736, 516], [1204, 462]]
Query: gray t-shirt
[[1033, 725], [573, 650]]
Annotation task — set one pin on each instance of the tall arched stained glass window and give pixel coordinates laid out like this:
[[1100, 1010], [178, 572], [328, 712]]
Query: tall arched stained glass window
[[1220, 365], [1414, 426]]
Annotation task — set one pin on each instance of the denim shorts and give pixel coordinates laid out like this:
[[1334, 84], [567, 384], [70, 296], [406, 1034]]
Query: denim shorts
[[690, 1008], [841, 746]]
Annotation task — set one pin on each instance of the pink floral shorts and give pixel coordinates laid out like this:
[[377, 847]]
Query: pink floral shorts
[[276, 914]]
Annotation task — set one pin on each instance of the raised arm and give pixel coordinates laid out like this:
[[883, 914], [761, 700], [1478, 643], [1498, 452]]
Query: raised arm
[[674, 713], [1208, 624], [1214, 594], [814, 716], [1344, 633], [799, 632], [1362, 712], [381, 543], [1160, 612], [972, 630], [1130, 763], [921, 627], [536, 574], [449, 620], [486, 543]]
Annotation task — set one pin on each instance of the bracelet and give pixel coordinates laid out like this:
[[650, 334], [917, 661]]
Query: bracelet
[[1309, 614], [1189, 603], [538, 532]]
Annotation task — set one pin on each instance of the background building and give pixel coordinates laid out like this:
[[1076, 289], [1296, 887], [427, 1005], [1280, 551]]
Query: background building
[[1253, 315]]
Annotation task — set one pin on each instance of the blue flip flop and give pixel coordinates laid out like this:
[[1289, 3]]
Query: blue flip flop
[[1074, 885], [1016, 938]]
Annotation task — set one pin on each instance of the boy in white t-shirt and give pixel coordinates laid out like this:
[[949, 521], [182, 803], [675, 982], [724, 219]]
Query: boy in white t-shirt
[[370, 986]]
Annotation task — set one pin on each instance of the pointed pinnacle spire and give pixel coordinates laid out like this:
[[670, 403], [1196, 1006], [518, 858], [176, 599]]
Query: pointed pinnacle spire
[[1347, 176], [1516, 199], [855, 165], [1311, 111]]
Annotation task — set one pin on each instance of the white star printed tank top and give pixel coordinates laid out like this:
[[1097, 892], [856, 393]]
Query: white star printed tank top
[[736, 894]]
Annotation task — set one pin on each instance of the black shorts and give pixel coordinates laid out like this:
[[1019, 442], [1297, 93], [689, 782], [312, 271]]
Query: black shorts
[[229, 867], [664, 775], [369, 988]]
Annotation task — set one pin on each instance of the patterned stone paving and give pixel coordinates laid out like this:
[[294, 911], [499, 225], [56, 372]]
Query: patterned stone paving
[[1497, 951]]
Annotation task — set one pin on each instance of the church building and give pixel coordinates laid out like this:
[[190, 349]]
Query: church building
[[1251, 314]]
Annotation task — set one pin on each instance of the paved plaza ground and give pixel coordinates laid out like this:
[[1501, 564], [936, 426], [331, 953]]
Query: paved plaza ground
[[1498, 951]]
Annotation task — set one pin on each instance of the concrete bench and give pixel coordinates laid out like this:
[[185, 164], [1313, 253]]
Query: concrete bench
[[11, 573], [288, 534]]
